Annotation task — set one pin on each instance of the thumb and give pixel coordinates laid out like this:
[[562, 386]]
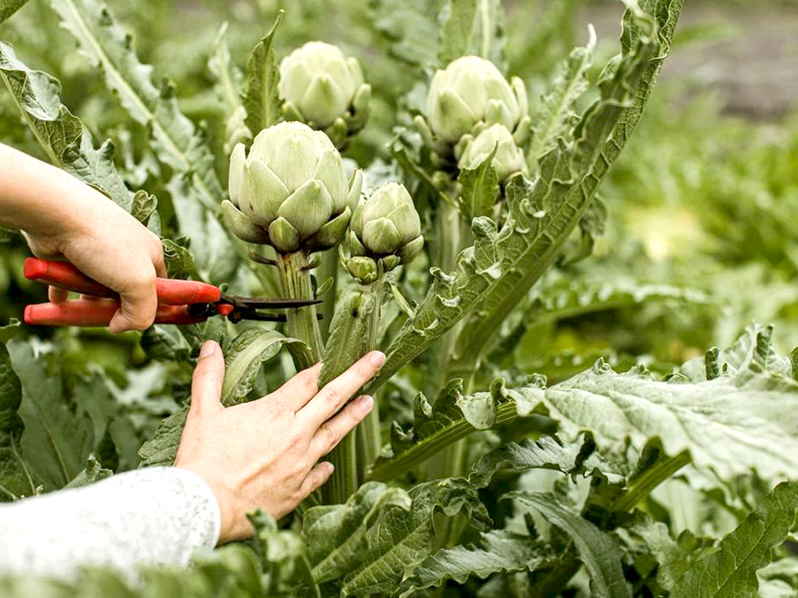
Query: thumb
[[206, 384]]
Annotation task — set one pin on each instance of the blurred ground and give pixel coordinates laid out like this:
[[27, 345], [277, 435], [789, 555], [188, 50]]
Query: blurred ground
[[749, 53]]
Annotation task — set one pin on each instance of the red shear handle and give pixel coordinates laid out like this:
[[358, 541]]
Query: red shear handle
[[99, 312], [64, 275]]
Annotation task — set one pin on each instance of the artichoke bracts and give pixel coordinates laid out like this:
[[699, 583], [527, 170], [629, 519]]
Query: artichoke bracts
[[291, 191]]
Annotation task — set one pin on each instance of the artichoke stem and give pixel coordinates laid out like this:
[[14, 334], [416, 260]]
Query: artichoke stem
[[302, 322], [358, 449]]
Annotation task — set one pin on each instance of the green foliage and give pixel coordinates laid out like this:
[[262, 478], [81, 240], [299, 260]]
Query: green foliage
[[498, 462]]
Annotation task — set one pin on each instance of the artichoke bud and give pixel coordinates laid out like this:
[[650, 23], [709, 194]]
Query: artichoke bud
[[363, 268], [324, 88], [508, 160], [469, 91], [385, 229], [293, 185], [389, 262]]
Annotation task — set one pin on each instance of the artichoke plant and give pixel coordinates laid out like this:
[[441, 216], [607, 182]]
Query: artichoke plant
[[325, 89], [291, 191], [469, 91], [385, 232], [508, 160]]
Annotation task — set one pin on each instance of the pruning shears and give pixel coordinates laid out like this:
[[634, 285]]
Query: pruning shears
[[179, 301]]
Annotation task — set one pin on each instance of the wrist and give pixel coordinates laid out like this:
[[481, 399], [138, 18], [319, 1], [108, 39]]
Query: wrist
[[232, 525]]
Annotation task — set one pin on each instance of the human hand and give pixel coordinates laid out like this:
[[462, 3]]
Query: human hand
[[263, 454], [109, 245]]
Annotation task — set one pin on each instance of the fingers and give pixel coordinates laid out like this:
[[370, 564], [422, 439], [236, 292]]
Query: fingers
[[332, 431], [158, 260], [139, 304], [57, 295], [206, 384], [295, 393], [316, 478], [333, 396]]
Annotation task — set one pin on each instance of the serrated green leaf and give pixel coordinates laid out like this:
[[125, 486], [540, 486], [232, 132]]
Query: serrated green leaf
[[498, 270], [176, 140], [479, 189], [212, 247], [557, 111], [67, 143], [336, 535], [228, 78], [409, 27], [9, 7], [401, 538], [57, 438], [244, 358], [453, 416], [15, 477], [599, 552], [161, 449], [731, 571], [93, 472], [457, 30], [499, 551], [261, 99]]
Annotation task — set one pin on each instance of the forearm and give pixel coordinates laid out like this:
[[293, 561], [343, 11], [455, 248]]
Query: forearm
[[154, 516], [37, 197]]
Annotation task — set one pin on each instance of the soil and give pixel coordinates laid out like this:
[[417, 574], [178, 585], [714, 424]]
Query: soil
[[749, 54]]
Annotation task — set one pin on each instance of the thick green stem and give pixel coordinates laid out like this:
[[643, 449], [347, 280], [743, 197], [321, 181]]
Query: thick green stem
[[302, 322], [353, 333], [450, 462], [645, 483]]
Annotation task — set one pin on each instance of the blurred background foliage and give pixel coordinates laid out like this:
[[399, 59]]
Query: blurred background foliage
[[704, 198]]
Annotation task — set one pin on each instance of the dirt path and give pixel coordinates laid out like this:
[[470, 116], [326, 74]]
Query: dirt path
[[752, 59]]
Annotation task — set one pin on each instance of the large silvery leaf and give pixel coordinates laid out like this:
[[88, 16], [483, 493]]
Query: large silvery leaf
[[498, 551], [261, 100], [400, 538], [67, 143], [498, 270], [733, 424], [731, 571], [58, 437], [177, 141], [599, 552]]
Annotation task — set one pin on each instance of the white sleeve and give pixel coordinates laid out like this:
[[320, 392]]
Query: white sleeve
[[154, 516]]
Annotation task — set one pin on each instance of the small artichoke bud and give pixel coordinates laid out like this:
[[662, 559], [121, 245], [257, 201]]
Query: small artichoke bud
[[509, 158], [385, 229], [291, 191], [324, 88], [471, 90]]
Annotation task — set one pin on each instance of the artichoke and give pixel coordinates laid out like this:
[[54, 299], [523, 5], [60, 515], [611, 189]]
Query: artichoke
[[291, 191], [469, 91], [324, 88], [473, 151], [385, 232]]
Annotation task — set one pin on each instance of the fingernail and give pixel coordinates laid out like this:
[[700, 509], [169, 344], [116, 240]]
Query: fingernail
[[208, 349], [365, 403], [377, 358]]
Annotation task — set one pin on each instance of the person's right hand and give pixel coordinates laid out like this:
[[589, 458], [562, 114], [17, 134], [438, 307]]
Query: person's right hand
[[263, 454]]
